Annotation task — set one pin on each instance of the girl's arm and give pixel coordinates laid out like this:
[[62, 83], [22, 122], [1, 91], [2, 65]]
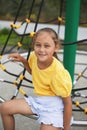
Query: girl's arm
[[17, 57], [67, 112]]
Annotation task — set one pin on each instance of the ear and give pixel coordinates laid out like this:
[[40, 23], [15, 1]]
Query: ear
[[57, 47]]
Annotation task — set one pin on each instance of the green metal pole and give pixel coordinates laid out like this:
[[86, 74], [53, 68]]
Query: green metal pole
[[71, 30]]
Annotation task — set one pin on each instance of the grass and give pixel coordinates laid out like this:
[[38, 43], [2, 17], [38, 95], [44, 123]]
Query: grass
[[13, 39]]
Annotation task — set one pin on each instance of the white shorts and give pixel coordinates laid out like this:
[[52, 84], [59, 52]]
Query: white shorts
[[49, 109]]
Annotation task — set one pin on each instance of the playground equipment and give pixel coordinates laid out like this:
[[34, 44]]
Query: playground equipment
[[20, 78]]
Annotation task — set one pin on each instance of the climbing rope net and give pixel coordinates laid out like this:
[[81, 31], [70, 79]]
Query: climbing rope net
[[14, 73]]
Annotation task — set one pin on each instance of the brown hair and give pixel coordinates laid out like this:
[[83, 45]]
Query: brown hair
[[53, 35]]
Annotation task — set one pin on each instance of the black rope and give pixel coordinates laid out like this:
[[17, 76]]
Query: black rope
[[79, 110], [30, 11], [60, 15], [15, 75], [13, 47], [41, 5], [81, 74], [20, 83], [28, 18], [36, 23], [31, 8], [11, 73], [12, 28], [79, 89], [84, 102], [77, 42], [78, 106], [27, 80], [16, 85]]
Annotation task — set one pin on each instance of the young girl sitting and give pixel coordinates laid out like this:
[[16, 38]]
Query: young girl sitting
[[52, 86]]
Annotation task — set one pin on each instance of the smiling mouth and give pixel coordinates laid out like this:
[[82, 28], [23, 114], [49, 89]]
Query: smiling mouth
[[42, 54]]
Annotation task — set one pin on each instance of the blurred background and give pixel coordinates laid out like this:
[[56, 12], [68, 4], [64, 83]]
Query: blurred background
[[49, 15], [52, 15]]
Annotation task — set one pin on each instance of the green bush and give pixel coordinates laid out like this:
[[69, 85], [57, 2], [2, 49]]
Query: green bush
[[4, 31]]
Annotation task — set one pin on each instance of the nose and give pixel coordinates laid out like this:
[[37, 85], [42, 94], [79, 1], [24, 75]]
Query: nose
[[41, 48]]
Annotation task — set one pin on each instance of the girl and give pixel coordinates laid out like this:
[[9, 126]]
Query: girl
[[52, 86]]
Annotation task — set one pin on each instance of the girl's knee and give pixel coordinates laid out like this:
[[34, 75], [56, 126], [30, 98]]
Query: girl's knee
[[4, 108]]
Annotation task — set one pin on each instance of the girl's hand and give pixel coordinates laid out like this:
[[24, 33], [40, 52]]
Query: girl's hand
[[15, 57]]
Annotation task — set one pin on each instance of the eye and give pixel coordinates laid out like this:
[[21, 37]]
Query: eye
[[47, 46], [37, 44]]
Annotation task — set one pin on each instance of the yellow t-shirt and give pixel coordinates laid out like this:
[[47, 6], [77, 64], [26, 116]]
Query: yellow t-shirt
[[52, 81]]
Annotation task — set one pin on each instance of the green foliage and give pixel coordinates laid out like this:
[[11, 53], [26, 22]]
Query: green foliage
[[3, 35], [4, 31], [2, 39], [14, 39], [50, 10]]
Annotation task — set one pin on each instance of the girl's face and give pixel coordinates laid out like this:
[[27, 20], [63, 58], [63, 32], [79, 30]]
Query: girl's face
[[44, 48]]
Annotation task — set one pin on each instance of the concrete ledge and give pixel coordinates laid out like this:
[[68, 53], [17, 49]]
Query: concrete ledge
[[79, 123]]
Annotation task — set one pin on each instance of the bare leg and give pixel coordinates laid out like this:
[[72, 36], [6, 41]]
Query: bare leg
[[8, 122], [9, 108], [48, 127]]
